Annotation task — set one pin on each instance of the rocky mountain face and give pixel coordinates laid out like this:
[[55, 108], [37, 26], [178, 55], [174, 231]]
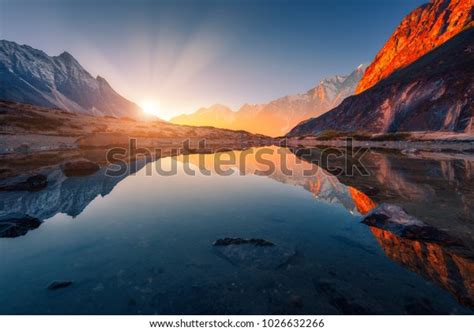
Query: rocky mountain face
[[421, 31], [435, 93], [278, 116], [28, 75]]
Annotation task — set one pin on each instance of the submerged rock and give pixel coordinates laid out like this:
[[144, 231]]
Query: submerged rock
[[240, 241], [32, 184], [59, 284], [16, 227], [396, 220], [80, 168], [253, 253]]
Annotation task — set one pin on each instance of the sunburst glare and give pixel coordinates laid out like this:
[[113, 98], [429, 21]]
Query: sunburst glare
[[150, 107]]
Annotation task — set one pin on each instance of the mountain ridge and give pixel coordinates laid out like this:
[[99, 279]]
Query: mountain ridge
[[422, 30], [434, 93], [29, 75], [278, 116]]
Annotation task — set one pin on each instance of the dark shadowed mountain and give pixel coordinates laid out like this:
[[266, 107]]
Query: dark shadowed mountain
[[276, 117], [434, 93], [29, 75]]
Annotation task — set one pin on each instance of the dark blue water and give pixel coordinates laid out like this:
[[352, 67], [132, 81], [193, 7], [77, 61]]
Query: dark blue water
[[143, 245]]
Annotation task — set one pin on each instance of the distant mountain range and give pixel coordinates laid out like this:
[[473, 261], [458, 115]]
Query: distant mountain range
[[278, 116], [411, 89], [29, 75]]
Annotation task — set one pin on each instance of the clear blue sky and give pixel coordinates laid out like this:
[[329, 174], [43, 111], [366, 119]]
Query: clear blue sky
[[188, 54]]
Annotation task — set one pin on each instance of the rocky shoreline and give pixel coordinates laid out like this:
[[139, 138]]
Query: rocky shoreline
[[448, 144]]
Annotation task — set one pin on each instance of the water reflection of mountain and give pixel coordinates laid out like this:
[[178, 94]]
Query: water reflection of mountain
[[324, 186], [436, 191], [445, 266], [435, 188], [62, 195], [397, 179], [71, 195]]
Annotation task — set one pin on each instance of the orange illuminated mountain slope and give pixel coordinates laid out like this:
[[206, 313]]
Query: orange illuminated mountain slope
[[278, 116], [422, 30]]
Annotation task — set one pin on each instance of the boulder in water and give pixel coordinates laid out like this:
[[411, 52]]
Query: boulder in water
[[240, 241], [396, 220], [59, 284], [16, 227]]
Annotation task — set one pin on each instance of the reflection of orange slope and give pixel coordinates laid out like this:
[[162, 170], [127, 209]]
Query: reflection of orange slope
[[315, 187], [324, 186], [434, 262], [363, 203], [255, 160]]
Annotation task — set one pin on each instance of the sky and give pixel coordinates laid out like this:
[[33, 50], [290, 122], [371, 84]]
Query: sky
[[177, 56]]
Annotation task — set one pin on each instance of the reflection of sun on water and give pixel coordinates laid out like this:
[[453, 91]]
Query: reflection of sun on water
[[150, 107]]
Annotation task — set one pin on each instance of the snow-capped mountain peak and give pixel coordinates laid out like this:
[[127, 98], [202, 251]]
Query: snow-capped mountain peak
[[29, 75], [278, 116]]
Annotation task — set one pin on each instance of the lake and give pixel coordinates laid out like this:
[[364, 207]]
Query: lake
[[143, 242]]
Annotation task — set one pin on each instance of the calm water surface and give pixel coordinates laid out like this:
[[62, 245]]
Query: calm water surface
[[143, 245]]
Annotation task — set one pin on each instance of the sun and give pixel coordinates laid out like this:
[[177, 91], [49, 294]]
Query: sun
[[150, 107]]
